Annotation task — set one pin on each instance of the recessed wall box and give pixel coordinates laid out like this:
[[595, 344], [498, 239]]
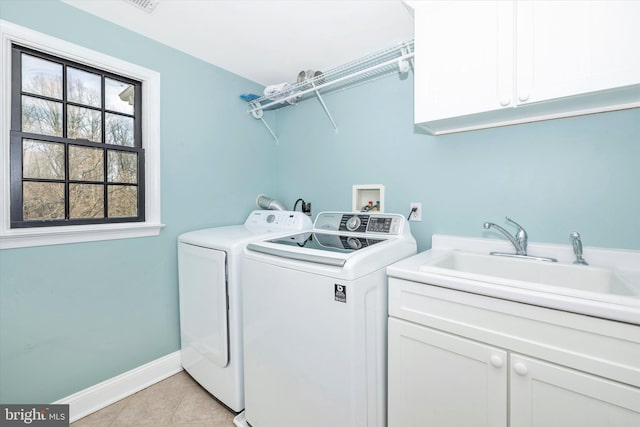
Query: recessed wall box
[[368, 198]]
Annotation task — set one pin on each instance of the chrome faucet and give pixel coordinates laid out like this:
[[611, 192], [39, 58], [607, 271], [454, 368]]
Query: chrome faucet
[[577, 248], [519, 242]]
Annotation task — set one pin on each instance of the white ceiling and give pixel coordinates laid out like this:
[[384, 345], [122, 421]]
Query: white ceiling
[[267, 41]]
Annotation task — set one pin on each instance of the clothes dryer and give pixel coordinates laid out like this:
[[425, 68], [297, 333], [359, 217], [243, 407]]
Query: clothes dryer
[[210, 290]]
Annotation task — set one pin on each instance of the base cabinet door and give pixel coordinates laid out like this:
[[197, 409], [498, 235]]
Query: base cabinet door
[[439, 379], [547, 395]]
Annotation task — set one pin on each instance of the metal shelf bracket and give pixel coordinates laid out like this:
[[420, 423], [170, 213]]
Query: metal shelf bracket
[[258, 114], [324, 107]]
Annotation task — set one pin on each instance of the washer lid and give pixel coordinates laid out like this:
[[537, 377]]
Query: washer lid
[[340, 243], [319, 248], [385, 239]]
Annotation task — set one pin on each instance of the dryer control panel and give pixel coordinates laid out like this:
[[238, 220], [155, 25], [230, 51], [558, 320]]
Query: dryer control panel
[[355, 222], [270, 220]]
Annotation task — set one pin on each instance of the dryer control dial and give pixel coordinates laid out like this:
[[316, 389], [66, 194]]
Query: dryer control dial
[[353, 223]]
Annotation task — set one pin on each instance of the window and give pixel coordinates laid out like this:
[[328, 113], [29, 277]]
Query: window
[[80, 143], [76, 143]]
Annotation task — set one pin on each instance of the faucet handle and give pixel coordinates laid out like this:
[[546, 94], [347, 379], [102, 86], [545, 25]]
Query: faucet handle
[[521, 234], [509, 220]]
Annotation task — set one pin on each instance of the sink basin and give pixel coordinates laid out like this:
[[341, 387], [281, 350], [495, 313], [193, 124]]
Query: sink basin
[[569, 279]]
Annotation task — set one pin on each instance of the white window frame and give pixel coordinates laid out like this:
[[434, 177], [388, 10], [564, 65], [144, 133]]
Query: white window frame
[[41, 236]]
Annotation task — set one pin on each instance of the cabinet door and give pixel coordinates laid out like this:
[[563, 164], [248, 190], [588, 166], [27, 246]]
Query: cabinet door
[[567, 48], [463, 58], [439, 379], [547, 395]]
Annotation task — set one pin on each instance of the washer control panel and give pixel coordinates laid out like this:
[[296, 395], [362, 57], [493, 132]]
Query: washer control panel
[[390, 224]]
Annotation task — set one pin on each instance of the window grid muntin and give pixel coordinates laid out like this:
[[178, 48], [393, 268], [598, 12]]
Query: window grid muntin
[[17, 136]]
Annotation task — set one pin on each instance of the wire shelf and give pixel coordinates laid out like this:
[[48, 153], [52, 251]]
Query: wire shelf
[[370, 67]]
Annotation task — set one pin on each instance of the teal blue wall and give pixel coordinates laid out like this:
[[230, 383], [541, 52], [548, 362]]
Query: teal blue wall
[[74, 315], [553, 177]]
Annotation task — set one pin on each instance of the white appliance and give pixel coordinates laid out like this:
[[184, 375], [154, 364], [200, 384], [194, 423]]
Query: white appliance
[[210, 287], [315, 322]]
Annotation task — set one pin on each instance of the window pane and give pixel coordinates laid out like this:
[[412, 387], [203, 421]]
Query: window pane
[[86, 201], [41, 116], [41, 77], [43, 160], [42, 200], [83, 87], [83, 123], [78, 127], [119, 96], [86, 164], [123, 201], [122, 166], [119, 130]]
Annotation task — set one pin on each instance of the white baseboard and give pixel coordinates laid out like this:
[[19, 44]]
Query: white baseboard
[[110, 391]]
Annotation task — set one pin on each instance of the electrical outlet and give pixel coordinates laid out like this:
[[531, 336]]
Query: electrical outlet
[[417, 214]]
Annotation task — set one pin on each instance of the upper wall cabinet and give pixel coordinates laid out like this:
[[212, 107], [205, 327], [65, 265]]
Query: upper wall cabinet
[[481, 64]]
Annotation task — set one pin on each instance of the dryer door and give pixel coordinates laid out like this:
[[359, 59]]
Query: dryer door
[[203, 305]]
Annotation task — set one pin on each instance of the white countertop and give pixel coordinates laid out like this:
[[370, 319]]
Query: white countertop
[[613, 307]]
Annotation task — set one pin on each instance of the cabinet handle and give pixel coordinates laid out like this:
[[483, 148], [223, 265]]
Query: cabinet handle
[[520, 368], [505, 101], [496, 361], [523, 97]]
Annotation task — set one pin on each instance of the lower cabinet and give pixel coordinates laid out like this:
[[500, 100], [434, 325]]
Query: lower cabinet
[[441, 379], [438, 379], [547, 395]]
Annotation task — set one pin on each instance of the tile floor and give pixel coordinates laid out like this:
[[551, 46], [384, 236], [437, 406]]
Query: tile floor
[[177, 401]]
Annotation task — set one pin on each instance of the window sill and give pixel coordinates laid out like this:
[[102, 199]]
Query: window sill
[[22, 238]]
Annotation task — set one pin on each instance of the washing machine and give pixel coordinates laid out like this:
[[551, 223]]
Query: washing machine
[[315, 321], [210, 289]]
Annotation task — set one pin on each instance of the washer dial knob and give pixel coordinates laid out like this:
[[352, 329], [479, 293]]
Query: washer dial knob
[[353, 223], [354, 243]]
